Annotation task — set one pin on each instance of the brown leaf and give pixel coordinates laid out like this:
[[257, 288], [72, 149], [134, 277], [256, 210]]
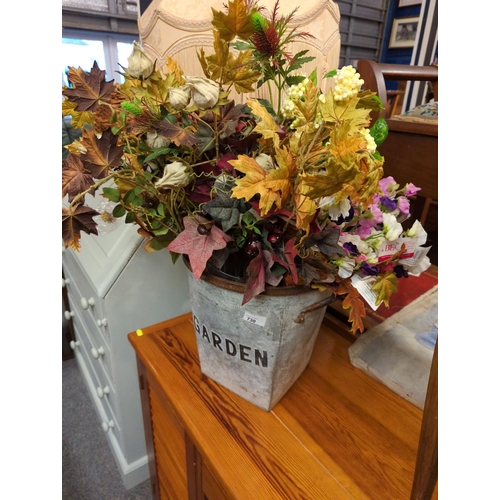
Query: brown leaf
[[176, 134], [75, 220], [75, 179], [89, 88], [102, 153], [102, 117]]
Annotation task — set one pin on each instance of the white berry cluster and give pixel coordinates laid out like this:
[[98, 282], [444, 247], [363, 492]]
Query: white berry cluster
[[347, 83], [295, 93], [371, 146]]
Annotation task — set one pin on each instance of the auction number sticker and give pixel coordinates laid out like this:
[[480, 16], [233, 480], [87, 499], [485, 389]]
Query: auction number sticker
[[255, 319]]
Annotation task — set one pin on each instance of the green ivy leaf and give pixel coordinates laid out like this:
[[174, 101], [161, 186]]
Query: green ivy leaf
[[130, 218], [112, 194], [119, 211], [161, 231], [129, 196], [138, 201], [159, 152]]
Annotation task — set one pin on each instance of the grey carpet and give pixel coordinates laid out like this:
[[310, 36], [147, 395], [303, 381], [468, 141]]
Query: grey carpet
[[89, 470]]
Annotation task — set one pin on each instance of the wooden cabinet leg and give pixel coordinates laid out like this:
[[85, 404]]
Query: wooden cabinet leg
[[426, 468]]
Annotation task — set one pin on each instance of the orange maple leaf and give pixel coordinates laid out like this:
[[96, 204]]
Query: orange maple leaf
[[305, 209], [353, 302], [274, 186]]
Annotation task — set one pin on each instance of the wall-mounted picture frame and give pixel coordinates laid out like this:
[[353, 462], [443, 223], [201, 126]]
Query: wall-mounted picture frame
[[404, 3], [404, 32]]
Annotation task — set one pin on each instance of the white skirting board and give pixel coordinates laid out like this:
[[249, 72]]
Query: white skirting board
[[399, 351]]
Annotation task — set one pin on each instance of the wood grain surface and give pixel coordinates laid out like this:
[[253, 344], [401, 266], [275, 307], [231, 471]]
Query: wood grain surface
[[337, 434]]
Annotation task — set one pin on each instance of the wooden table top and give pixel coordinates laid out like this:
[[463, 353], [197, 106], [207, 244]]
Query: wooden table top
[[336, 434]]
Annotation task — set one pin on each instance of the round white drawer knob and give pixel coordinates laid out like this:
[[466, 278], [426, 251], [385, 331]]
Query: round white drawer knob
[[74, 344], [97, 352], [68, 314], [103, 322], [86, 303], [101, 391], [65, 282], [107, 425]]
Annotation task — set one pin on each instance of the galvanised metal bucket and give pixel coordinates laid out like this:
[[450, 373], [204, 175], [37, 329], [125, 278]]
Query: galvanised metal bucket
[[260, 349]]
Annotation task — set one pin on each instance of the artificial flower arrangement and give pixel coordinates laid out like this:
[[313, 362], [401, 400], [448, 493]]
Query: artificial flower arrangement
[[271, 193]]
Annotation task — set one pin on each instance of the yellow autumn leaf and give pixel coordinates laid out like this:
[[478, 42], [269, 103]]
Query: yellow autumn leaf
[[343, 145], [305, 208], [79, 118], [365, 185], [285, 162], [240, 72], [384, 286], [345, 111], [266, 126], [236, 23], [306, 108], [273, 186], [175, 69], [222, 66], [214, 65], [335, 180]]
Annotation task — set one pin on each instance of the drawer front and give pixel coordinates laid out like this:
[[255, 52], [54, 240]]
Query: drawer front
[[97, 380], [212, 490], [85, 297], [170, 451], [102, 364]]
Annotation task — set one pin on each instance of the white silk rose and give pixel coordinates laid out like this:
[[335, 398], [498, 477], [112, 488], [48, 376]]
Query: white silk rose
[[140, 65], [205, 91], [175, 175], [153, 140], [179, 97], [265, 161]]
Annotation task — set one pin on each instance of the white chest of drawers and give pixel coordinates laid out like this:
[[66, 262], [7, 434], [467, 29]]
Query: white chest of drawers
[[115, 287]]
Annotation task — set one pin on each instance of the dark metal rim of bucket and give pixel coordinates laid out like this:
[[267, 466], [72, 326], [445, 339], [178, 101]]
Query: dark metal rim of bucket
[[238, 286]]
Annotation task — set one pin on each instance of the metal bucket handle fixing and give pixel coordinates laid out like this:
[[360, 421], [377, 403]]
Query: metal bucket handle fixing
[[317, 305]]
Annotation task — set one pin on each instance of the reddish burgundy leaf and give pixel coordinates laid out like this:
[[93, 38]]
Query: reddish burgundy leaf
[[286, 259], [199, 247], [271, 279], [256, 282]]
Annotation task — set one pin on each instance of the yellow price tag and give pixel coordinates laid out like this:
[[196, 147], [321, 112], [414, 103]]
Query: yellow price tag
[[139, 333]]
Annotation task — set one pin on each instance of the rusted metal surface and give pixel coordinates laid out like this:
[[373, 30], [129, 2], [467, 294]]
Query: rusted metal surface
[[322, 303], [257, 350]]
